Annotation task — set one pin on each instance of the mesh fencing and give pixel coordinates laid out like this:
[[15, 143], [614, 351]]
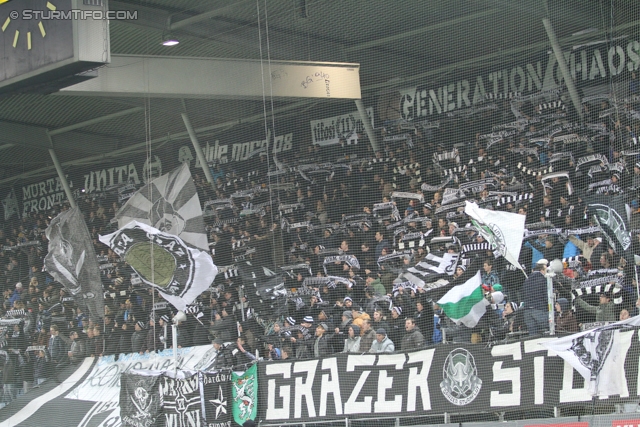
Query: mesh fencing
[[417, 257]]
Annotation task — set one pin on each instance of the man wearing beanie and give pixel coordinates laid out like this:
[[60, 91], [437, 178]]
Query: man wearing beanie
[[382, 343]]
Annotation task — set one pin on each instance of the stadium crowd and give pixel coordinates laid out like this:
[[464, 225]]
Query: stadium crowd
[[517, 155]]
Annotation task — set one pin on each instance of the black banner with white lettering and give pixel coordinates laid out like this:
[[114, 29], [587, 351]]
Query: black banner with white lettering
[[216, 397], [446, 379], [181, 401]]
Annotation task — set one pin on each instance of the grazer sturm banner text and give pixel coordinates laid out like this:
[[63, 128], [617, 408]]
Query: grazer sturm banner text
[[516, 376]]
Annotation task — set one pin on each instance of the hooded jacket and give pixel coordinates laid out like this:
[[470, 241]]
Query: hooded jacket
[[352, 345], [412, 340], [386, 346]]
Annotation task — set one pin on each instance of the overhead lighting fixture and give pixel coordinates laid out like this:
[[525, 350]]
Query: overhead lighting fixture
[[169, 39]]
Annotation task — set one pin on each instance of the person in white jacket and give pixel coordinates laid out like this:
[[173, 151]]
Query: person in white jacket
[[382, 344], [352, 344]]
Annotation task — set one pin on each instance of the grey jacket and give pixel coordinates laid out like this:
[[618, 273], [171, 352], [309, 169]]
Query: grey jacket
[[386, 346], [412, 340], [604, 312]]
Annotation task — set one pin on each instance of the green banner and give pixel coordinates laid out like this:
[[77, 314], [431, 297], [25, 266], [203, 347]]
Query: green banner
[[245, 395]]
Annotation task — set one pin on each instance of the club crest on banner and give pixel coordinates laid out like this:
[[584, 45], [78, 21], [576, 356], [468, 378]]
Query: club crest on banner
[[245, 395], [173, 265], [460, 384]]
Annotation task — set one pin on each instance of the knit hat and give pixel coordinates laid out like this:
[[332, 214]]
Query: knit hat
[[218, 341], [307, 319], [249, 423], [356, 330], [141, 324], [164, 318], [497, 287], [564, 304], [347, 299], [19, 285], [462, 267], [428, 205], [347, 314], [513, 305], [381, 331], [324, 326], [291, 320], [397, 309], [497, 297]]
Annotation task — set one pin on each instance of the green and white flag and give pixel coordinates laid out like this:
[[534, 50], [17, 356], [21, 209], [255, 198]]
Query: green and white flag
[[465, 303], [244, 392], [503, 230]]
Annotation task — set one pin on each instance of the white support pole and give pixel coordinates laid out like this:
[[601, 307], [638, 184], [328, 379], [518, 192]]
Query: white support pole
[[551, 304], [196, 146], [367, 125], [61, 175], [557, 51]]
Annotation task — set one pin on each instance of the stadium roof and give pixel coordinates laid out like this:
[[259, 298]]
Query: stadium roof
[[396, 44]]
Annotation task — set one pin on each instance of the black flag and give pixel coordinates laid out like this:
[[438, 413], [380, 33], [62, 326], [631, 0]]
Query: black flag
[[215, 388], [139, 400]]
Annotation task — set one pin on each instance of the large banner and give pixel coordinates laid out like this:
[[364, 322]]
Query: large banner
[[447, 378], [589, 65], [328, 131]]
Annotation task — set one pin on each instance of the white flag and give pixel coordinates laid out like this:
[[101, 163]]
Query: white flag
[[10, 205], [164, 261], [599, 355], [465, 303], [504, 230], [170, 204]]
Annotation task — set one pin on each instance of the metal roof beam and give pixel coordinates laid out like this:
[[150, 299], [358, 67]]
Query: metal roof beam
[[428, 28], [166, 77]]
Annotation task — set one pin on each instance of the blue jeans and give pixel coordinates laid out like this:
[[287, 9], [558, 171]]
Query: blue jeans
[[537, 321]]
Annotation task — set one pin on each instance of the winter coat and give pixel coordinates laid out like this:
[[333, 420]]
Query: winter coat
[[412, 340], [566, 322], [322, 346], [352, 345], [604, 312], [367, 339], [139, 342], [386, 346], [41, 369]]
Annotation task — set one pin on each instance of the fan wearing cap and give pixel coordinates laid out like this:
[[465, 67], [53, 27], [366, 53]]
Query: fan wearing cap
[[139, 338], [536, 315], [382, 343], [322, 345], [604, 311]]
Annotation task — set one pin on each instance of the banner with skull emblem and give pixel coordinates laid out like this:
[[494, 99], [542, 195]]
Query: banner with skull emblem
[[139, 401]]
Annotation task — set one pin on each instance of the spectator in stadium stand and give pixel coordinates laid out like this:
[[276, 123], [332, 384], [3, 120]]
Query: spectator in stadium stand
[[396, 325], [536, 315], [57, 347], [488, 276], [98, 340], [382, 343], [352, 343], [224, 359], [77, 349], [605, 311], [589, 247], [322, 345], [139, 338], [368, 335], [624, 314], [565, 320], [41, 367], [413, 338]]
